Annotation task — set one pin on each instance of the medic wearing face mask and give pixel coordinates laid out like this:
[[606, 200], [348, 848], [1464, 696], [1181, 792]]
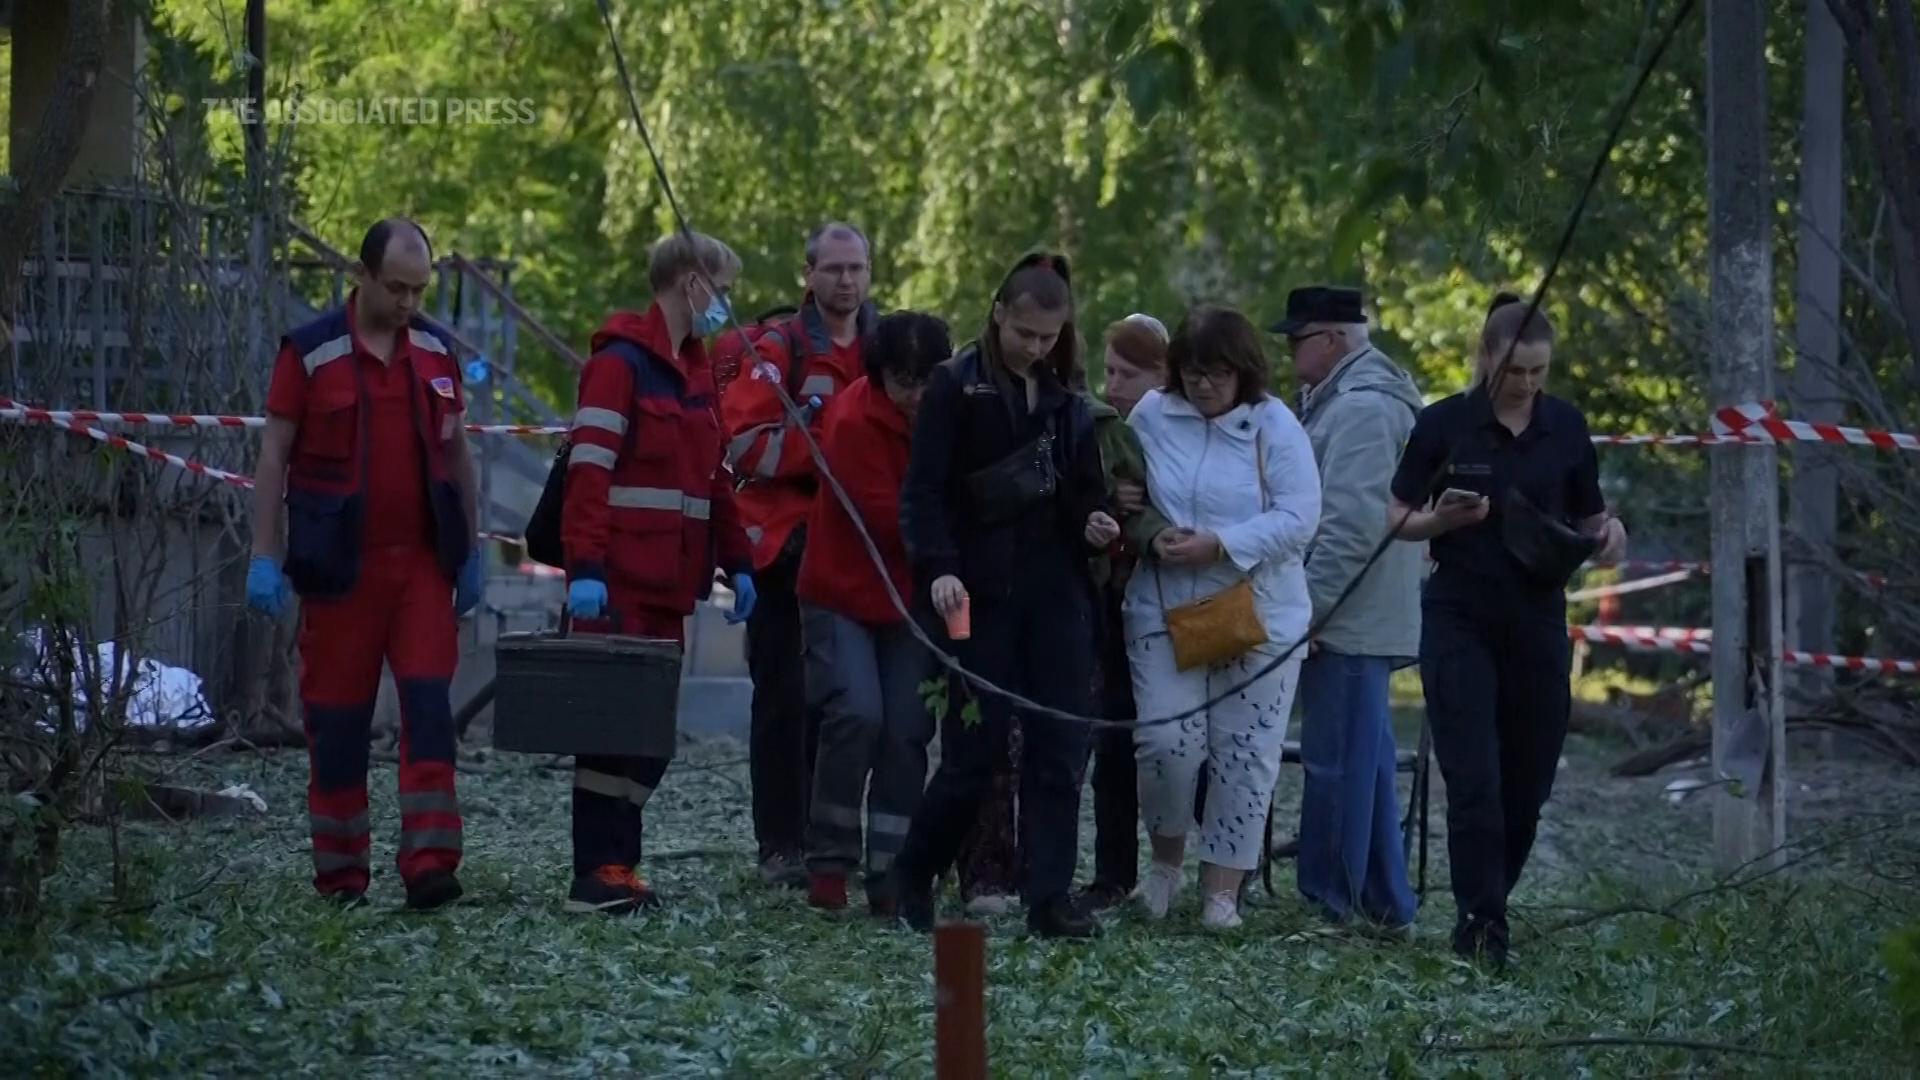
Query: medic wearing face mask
[[648, 514]]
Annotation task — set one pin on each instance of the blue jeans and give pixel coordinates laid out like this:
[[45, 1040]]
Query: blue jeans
[[1351, 861]]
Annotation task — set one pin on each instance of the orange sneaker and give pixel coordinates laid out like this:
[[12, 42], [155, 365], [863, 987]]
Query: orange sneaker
[[610, 890]]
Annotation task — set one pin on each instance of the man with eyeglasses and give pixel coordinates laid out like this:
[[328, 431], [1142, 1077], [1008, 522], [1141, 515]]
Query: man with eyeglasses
[[812, 356], [1358, 408]]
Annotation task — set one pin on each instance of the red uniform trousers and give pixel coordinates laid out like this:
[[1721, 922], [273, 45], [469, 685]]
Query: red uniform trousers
[[610, 792], [400, 611]]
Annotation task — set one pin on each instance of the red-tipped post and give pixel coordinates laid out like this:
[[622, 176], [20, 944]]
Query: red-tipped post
[[960, 1001]]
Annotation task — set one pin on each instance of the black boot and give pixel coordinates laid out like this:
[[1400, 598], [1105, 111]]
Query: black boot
[[1482, 940], [1102, 895], [912, 899], [433, 889], [1059, 917]]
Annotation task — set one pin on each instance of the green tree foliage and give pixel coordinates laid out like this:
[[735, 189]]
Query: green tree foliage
[[1225, 150]]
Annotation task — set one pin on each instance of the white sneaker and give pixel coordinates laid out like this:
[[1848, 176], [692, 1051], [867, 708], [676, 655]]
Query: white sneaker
[[1157, 890], [1220, 912], [989, 905]]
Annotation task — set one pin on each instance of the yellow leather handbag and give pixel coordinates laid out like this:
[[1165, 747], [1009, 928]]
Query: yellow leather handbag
[[1221, 627]]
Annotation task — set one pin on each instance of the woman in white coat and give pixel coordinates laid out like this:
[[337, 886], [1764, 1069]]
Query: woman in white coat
[[1232, 468]]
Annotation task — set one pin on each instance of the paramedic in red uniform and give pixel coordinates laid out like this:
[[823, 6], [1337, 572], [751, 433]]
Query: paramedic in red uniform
[[777, 486], [648, 512], [365, 452]]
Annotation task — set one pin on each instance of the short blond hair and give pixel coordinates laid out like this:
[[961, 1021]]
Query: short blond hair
[[684, 252]]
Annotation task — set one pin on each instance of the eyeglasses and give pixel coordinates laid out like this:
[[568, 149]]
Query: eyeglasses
[[1297, 340], [1217, 378]]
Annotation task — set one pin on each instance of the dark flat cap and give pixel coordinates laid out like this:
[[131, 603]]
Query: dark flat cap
[[1320, 304]]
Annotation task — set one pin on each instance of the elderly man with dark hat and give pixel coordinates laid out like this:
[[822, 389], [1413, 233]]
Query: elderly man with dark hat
[[1357, 406]]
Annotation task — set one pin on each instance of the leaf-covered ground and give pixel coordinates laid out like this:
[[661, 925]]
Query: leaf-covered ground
[[243, 972]]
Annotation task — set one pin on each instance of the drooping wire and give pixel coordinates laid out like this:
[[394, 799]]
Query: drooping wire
[[980, 683]]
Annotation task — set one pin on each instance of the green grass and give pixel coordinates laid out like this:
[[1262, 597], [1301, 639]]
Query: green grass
[[734, 980]]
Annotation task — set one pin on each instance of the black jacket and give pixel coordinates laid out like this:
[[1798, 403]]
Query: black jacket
[[972, 416]]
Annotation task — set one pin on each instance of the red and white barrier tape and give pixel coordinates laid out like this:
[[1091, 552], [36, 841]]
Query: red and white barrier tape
[[516, 429], [1667, 440], [17, 412], [1697, 642], [1755, 423], [1632, 586], [14, 412], [150, 419], [131, 447], [1865, 664], [1759, 422], [1646, 567], [1877, 581], [1621, 634], [1630, 638]]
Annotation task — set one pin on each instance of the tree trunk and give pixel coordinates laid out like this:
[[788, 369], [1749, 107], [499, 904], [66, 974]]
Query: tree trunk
[[56, 142], [1895, 139], [1815, 390]]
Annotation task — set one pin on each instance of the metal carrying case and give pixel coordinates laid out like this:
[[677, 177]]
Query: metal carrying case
[[561, 693]]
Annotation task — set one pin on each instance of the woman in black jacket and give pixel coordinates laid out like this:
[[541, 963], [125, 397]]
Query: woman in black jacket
[[1003, 503], [1504, 482]]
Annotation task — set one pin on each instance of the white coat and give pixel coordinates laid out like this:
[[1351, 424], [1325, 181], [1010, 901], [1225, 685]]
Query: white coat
[[1201, 475]]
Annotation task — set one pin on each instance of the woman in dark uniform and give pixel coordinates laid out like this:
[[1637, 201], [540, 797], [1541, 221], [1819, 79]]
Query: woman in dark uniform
[[1001, 508], [1504, 481]]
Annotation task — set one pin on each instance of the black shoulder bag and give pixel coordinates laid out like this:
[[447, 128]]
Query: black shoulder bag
[[1548, 549]]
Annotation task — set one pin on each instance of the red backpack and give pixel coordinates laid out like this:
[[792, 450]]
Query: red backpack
[[730, 350]]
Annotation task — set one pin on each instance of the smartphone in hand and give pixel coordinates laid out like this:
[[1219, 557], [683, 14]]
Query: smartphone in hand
[[1453, 497]]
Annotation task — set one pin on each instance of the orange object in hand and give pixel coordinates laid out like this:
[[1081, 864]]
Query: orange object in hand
[[960, 622]]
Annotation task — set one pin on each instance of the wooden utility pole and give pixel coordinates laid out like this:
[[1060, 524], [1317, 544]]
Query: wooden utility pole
[[1749, 730], [1816, 393]]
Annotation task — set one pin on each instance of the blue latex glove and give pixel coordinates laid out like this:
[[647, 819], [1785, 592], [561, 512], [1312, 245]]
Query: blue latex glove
[[744, 597], [466, 590], [267, 589], [587, 599]]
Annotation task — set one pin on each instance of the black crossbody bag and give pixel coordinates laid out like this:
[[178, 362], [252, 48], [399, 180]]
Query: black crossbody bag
[[1016, 483], [1548, 549]]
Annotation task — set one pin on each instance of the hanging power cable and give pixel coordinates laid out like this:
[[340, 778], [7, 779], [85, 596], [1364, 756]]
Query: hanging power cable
[[798, 419]]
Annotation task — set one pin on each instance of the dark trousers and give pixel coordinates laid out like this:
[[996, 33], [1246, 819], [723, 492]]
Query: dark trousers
[[1116, 799], [989, 862], [1497, 698], [610, 792], [609, 797], [784, 734], [1116, 783], [874, 728], [1040, 644]]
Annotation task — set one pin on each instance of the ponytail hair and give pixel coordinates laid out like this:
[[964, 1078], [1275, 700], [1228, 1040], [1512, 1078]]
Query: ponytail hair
[[1509, 323], [1044, 280]]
